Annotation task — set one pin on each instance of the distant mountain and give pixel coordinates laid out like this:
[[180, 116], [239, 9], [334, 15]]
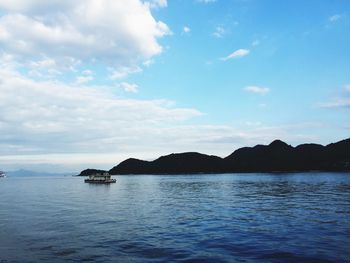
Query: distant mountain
[[23, 172], [278, 156]]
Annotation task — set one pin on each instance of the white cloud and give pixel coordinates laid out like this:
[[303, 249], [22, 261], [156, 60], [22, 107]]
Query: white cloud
[[206, 1], [337, 103], [148, 62], [129, 87], [158, 3], [39, 117], [219, 32], [44, 68], [335, 18], [186, 30], [113, 33], [237, 54], [87, 72], [35, 6], [122, 72], [44, 63], [256, 89], [83, 79], [342, 101]]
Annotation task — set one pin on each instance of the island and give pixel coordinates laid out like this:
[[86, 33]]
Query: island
[[278, 156]]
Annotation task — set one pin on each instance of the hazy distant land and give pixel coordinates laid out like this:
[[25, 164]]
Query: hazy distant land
[[278, 156], [27, 173]]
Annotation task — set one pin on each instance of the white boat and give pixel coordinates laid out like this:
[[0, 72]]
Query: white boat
[[100, 178], [2, 174]]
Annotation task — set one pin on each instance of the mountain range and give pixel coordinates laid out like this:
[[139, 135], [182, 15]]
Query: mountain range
[[278, 156], [23, 172]]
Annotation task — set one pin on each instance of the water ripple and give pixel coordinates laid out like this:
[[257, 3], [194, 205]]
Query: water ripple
[[199, 218]]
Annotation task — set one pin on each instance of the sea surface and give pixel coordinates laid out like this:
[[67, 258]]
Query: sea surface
[[303, 217]]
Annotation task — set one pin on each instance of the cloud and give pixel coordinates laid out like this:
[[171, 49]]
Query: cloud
[[337, 103], [335, 18], [83, 79], [87, 72], [206, 1], [158, 3], [112, 33], [342, 101], [43, 117], [45, 68], [148, 63], [219, 32], [122, 72], [237, 54], [129, 87], [257, 90], [186, 29]]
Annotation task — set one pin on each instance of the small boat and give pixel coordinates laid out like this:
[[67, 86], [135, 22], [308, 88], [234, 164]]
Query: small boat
[[2, 174], [100, 178]]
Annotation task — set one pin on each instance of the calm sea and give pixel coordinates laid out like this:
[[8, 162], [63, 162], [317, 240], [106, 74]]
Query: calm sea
[[193, 218]]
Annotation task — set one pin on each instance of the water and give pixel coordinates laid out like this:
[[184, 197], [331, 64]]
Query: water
[[193, 218]]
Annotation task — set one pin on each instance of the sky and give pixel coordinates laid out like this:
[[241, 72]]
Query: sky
[[89, 83]]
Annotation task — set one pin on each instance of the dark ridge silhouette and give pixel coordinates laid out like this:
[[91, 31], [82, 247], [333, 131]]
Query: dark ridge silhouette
[[180, 163], [89, 171], [135, 165], [278, 156]]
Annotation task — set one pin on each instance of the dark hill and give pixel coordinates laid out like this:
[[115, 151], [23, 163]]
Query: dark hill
[[337, 156], [180, 163], [278, 156], [132, 166], [88, 172]]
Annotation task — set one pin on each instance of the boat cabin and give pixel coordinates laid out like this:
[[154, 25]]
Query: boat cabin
[[100, 178]]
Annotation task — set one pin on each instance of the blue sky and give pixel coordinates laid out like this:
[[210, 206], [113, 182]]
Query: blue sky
[[90, 83]]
